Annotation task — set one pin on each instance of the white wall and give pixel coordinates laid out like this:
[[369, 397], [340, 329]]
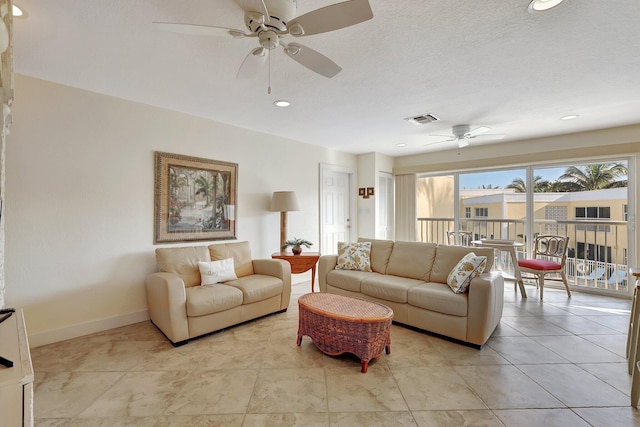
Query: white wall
[[368, 167], [79, 207]]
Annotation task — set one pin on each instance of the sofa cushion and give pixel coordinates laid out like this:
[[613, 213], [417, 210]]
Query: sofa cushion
[[469, 267], [257, 287], [448, 256], [239, 251], [182, 261], [380, 252], [389, 288], [354, 256], [348, 280], [203, 300], [213, 272], [439, 298], [412, 259]]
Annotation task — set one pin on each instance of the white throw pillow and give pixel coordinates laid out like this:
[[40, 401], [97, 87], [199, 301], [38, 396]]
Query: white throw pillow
[[469, 267], [354, 256], [213, 272]]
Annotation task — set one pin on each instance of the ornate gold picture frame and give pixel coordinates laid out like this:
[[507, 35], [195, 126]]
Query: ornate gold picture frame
[[195, 199]]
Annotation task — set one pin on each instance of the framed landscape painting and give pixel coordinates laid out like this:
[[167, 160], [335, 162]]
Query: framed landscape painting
[[195, 199]]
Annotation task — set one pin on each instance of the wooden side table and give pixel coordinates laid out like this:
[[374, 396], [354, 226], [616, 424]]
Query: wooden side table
[[300, 263]]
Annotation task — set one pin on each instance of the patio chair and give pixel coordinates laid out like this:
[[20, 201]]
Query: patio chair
[[596, 274], [460, 237], [549, 256], [617, 278]]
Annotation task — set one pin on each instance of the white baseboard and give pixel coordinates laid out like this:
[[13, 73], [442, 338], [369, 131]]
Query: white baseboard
[[86, 328]]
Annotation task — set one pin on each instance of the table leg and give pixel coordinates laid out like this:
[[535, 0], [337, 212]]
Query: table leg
[[313, 277], [365, 365], [299, 341]]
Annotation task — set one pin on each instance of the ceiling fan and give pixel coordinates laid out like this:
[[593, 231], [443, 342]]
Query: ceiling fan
[[270, 21], [463, 133]]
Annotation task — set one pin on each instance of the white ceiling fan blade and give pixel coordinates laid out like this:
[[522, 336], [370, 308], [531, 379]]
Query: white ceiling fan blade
[[488, 137], [439, 142], [463, 142], [330, 18], [252, 63], [478, 131], [201, 30], [255, 6], [313, 60]]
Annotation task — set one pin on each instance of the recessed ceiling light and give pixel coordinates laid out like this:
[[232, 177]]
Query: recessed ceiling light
[[543, 5], [17, 12], [401, 144], [281, 103], [569, 117]]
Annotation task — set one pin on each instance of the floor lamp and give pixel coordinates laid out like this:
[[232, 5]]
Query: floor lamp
[[283, 202]]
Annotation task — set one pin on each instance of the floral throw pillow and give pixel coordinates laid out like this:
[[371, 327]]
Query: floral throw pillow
[[469, 267], [354, 256]]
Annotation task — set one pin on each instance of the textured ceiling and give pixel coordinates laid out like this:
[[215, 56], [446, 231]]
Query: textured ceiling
[[483, 63]]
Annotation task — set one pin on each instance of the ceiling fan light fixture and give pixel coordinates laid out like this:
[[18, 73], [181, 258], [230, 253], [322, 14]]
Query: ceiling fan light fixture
[[542, 5]]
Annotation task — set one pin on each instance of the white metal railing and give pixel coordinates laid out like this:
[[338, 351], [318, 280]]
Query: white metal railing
[[597, 248]]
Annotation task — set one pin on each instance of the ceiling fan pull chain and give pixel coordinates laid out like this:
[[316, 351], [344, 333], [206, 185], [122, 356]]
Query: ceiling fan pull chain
[[269, 87]]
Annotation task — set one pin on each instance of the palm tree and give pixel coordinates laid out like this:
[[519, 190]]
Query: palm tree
[[594, 176], [206, 187], [539, 185]]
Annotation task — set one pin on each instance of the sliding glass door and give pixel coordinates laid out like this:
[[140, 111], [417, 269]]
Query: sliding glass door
[[587, 201]]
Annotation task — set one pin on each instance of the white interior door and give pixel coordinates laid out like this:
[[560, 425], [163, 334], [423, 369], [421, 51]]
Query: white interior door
[[335, 205]]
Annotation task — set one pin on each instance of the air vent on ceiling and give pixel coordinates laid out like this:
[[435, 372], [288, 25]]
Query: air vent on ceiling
[[422, 119]]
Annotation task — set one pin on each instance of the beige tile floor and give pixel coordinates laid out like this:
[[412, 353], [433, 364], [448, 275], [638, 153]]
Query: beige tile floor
[[554, 363]]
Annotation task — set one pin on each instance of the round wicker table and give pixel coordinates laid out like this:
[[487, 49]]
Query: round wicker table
[[340, 324]]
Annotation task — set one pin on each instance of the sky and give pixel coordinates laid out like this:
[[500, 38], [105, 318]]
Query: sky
[[503, 178]]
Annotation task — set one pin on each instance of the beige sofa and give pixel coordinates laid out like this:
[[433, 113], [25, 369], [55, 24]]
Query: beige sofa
[[411, 278], [182, 309]]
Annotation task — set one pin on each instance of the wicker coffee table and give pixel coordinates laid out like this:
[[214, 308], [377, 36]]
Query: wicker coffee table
[[339, 324]]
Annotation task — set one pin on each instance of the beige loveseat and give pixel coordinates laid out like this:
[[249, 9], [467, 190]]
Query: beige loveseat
[[182, 308], [411, 279]]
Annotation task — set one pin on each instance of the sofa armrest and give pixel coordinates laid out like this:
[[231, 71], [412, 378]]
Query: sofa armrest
[[278, 268], [325, 265], [166, 302], [486, 300]]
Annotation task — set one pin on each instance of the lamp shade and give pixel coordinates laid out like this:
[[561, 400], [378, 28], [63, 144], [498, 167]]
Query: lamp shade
[[284, 201]]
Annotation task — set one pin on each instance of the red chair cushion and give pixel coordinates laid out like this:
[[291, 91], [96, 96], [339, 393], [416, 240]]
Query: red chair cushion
[[539, 264]]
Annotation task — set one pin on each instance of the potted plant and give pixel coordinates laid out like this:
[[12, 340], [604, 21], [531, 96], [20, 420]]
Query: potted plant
[[296, 244]]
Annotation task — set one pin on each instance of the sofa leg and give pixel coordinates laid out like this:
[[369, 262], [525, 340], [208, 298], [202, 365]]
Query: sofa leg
[[179, 343]]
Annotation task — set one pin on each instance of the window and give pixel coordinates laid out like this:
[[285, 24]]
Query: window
[[594, 252], [482, 212], [467, 212], [593, 213]]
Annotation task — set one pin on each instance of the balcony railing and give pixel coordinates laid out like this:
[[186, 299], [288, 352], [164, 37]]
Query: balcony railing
[[597, 256]]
